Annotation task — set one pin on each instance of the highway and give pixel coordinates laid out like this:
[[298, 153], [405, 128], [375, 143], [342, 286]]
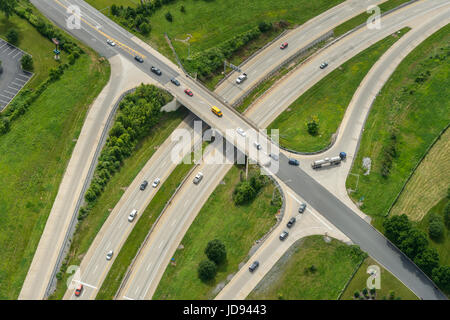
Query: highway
[[321, 199]]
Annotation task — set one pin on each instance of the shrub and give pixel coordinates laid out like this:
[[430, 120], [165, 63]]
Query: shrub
[[27, 62], [413, 242], [182, 9], [206, 270], [264, 26], [243, 193], [435, 227], [169, 16], [215, 251], [395, 226], [12, 36], [313, 126], [447, 215], [441, 276], [427, 260], [145, 28]]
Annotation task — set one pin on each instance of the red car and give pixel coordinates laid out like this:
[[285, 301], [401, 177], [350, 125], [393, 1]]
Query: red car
[[188, 92], [284, 45], [78, 290]]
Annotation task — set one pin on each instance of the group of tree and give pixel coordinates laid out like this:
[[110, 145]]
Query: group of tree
[[27, 62], [7, 7], [216, 252], [414, 243], [245, 191], [12, 36], [138, 113]]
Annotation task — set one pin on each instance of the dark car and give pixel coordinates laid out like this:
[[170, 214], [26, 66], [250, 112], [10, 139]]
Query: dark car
[[291, 222], [188, 92], [294, 162], [175, 81], [323, 65], [302, 208], [139, 59], [284, 235], [78, 290], [156, 70], [284, 45], [144, 185], [253, 266]]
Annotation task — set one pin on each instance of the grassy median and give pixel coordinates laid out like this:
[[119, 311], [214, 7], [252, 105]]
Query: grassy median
[[327, 100], [238, 227], [409, 113]]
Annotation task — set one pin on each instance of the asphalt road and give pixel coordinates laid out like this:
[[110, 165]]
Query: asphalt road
[[200, 104], [13, 78]]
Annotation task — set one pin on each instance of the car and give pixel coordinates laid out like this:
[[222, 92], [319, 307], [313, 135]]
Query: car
[[253, 266], [198, 178], [175, 81], [291, 222], [283, 45], [132, 215], [302, 207], [109, 255], [78, 290], [155, 70], [294, 162], [138, 59], [110, 42], [156, 182], [257, 145], [241, 131], [284, 235], [188, 92], [241, 78], [323, 65], [273, 156], [144, 185]]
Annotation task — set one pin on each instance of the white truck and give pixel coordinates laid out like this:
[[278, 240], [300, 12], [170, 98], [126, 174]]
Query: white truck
[[327, 161]]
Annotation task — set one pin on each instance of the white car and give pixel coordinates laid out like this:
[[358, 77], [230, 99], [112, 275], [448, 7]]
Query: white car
[[257, 145], [241, 78], [109, 255], [111, 43], [156, 182], [132, 215], [241, 131], [198, 178]]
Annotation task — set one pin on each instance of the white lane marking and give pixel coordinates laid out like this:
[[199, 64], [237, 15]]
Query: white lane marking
[[96, 266], [85, 284], [125, 297], [160, 245], [315, 215], [174, 221], [148, 267], [137, 289]]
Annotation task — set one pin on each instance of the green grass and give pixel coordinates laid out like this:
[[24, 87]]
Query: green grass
[[328, 99], [140, 231], [236, 226], [416, 112], [362, 18], [87, 230], [291, 279], [388, 283], [34, 155], [32, 42], [442, 245]]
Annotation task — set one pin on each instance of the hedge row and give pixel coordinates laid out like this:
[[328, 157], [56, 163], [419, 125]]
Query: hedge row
[[246, 191], [138, 113]]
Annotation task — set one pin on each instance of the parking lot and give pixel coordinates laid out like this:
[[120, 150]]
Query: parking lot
[[13, 78]]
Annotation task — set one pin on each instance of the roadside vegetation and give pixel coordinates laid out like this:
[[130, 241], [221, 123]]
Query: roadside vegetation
[[95, 214], [141, 229], [310, 122], [390, 287], [312, 269], [409, 113], [363, 17], [237, 227]]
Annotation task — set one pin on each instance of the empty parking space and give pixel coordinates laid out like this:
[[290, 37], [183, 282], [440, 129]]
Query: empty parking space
[[13, 78]]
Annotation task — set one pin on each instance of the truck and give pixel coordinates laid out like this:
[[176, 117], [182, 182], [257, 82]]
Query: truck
[[327, 161]]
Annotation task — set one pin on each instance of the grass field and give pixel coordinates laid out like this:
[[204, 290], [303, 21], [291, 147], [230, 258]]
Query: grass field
[[87, 231], [292, 279], [428, 184], [32, 42], [238, 227], [412, 109], [328, 99], [140, 231], [388, 283], [34, 155], [362, 18]]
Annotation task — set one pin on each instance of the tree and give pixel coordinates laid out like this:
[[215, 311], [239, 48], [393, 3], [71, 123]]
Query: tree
[[427, 260], [12, 36], [145, 28], [215, 251], [413, 242], [436, 229], [7, 7], [27, 62], [243, 193], [356, 294], [182, 9], [114, 10], [313, 126], [264, 26], [206, 270], [395, 226], [441, 276], [169, 16], [447, 215]]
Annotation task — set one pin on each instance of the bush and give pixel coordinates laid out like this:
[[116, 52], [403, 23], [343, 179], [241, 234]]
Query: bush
[[313, 126], [413, 242], [427, 260], [435, 227], [27, 62], [169, 16], [145, 28], [243, 193], [441, 276], [395, 226], [264, 26], [447, 215], [207, 270], [12, 36], [182, 9], [215, 251]]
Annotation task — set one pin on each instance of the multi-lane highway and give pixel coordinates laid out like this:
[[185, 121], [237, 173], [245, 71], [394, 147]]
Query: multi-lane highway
[[321, 199]]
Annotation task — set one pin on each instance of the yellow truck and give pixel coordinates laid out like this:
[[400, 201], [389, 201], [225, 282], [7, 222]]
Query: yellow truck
[[216, 111]]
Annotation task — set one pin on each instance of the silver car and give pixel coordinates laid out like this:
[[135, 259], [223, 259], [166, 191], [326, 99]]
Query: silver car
[[109, 255], [132, 215], [156, 182]]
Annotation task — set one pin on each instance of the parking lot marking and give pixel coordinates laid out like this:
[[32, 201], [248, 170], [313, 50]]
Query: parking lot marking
[[6, 96], [13, 93], [16, 55], [12, 51]]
